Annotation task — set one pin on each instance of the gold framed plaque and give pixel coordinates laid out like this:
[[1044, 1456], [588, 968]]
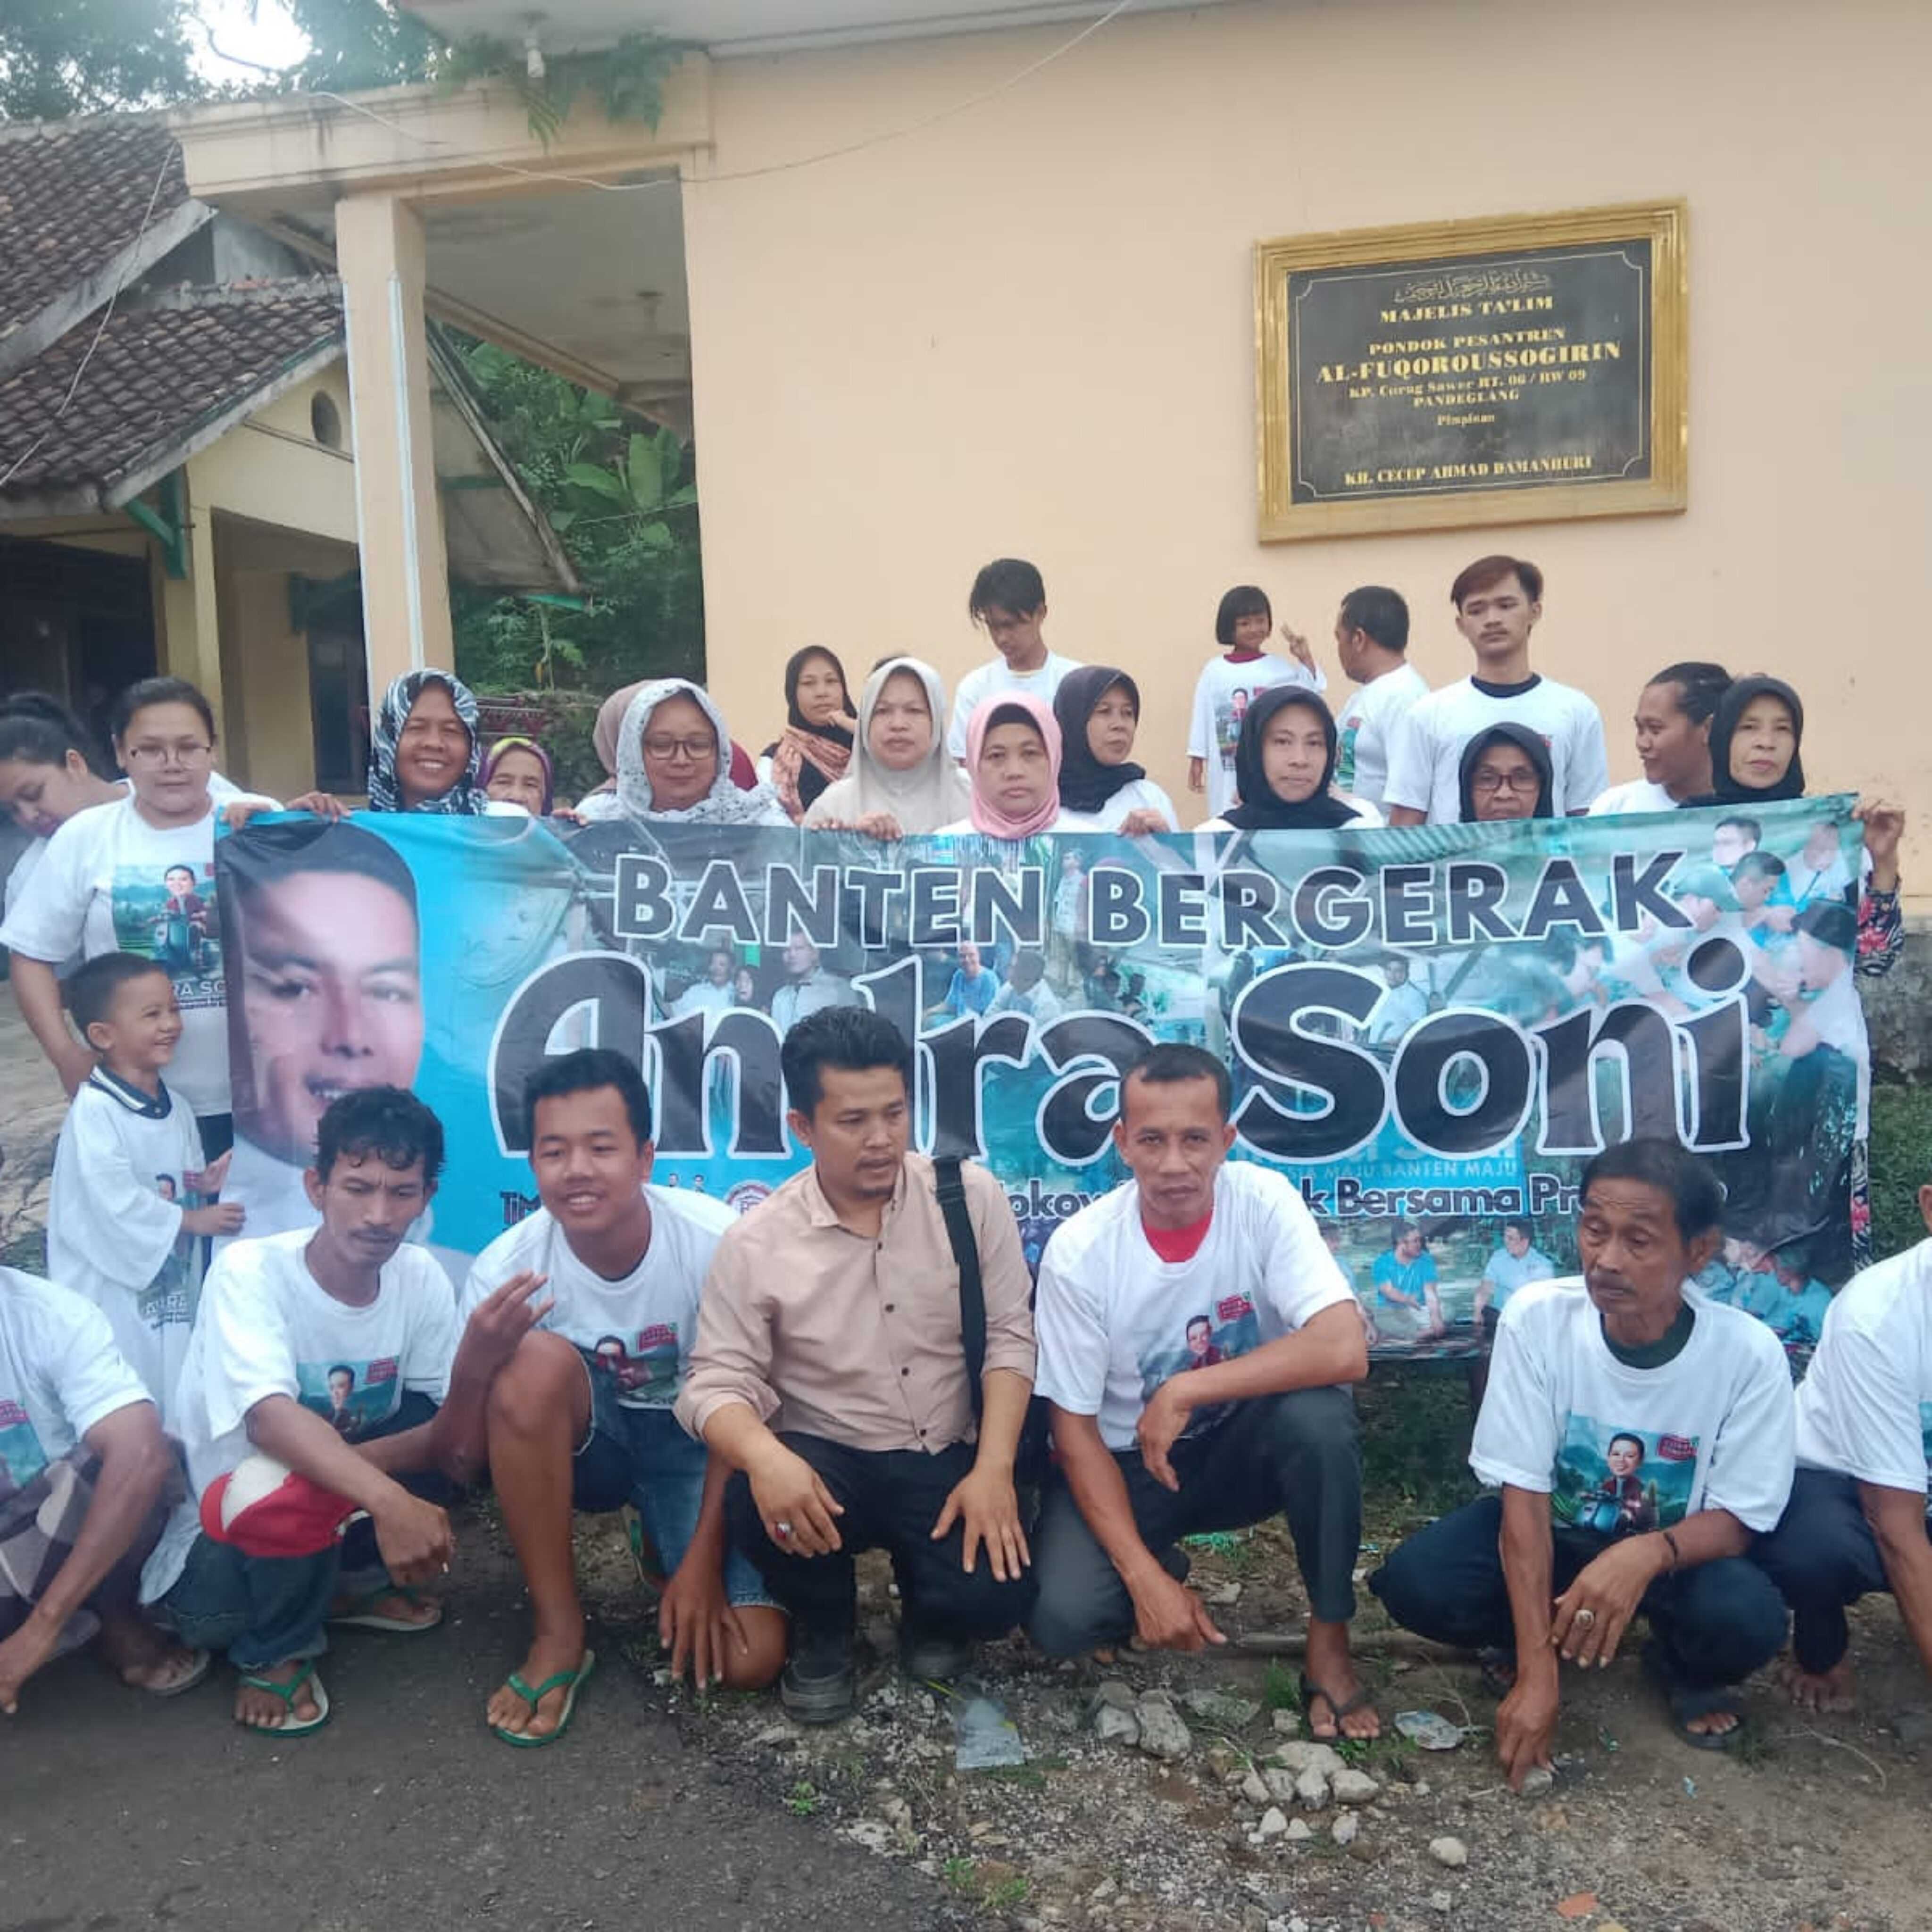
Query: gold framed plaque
[[1511, 370]]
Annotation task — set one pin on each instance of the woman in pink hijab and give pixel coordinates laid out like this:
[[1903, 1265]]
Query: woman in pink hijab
[[1012, 763]]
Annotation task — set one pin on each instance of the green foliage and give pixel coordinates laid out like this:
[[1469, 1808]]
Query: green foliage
[[1281, 1688], [626, 80], [1415, 1444], [361, 43], [84, 56], [803, 1799], [622, 496], [1901, 1164]]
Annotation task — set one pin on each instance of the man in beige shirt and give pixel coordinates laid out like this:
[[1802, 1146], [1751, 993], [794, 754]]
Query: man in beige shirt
[[829, 1373]]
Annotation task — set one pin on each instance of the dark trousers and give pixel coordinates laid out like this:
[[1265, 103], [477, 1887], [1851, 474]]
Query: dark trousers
[[1299, 1454], [1823, 1556], [891, 1499], [1714, 1625]]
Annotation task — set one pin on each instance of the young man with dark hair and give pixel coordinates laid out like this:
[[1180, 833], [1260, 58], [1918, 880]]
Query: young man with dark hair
[[1371, 641], [581, 1418], [1497, 601], [830, 1374], [1856, 1523], [1008, 598], [1581, 1369], [1731, 839], [325, 998], [279, 1318], [1160, 1437]]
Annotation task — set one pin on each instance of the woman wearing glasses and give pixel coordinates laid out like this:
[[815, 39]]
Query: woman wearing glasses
[[111, 880], [1505, 773], [674, 762]]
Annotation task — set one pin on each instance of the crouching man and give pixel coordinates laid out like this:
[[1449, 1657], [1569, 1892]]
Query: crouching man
[[1639, 1436], [1196, 1338], [830, 1372], [1856, 1522]]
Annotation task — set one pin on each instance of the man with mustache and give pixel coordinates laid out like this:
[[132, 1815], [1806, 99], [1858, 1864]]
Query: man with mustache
[[1624, 1355]]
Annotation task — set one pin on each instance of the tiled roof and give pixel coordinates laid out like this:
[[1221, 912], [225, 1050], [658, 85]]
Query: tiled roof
[[72, 196], [157, 374]]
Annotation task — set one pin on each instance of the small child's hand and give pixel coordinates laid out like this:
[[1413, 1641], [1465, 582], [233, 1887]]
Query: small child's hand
[[209, 1180], [1298, 646], [1197, 774], [218, 1217]]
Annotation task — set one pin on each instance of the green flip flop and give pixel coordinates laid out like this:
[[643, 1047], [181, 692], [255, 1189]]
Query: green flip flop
[[576, 1679], [291, 1725]]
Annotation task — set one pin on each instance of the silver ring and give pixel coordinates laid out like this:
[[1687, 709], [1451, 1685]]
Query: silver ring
[[781, 1529], [1585, 1617]]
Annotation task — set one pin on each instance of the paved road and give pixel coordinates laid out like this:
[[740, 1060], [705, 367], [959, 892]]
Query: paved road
[[118, 1811]]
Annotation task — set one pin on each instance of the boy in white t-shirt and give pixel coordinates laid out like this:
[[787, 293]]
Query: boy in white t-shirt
[[1497, 601], [84, 1470], [1230, 684], [1640, 1438], [1856, 1523], [124, 1218], [1009, 598], [1371, 641], [1196, 1339], [581, 1419], [334, 1354]]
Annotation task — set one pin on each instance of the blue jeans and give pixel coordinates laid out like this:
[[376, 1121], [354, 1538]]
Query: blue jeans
[[261, 1610], [642, 1457]]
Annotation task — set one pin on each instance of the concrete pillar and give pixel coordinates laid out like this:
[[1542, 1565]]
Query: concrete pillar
[[378, 249], [191, 614]]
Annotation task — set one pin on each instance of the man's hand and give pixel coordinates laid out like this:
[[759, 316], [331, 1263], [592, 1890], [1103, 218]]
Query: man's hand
[[1298, 647], [696, 1621], [1168, 1616], [500, 1321], [984, 1503], [218, 1217], [1526, 1720], [793, 1503], [1590, 1616], [21, 1655], [413, 1538], [1161, 1422]]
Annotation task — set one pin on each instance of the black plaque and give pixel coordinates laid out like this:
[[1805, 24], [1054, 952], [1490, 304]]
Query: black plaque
[[1455, 374]]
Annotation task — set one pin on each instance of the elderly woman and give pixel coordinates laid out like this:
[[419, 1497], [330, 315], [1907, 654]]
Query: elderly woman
[[674, 762]]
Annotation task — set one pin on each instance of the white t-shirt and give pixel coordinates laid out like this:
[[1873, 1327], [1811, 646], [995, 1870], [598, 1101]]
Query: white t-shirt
[[651, 1315], [103, 887], [1366, 730], [1368, 818], [1222, 695], [267, 1326], [1143, 793], [986, 680], [60, 1374], [1640, 795], [114, 1221], [702, 997], [1039, 1002], [1114, 1321], [1506, 1273], [1712, 1428], [1864, 1407], [1423, 766]]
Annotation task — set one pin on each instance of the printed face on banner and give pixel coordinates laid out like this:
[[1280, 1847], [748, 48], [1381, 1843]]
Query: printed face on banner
[[1437, 1027]]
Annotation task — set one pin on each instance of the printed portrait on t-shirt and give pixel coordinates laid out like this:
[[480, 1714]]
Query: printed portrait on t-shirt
[[169, 1300], [1215, 1333], [1925, 1440], [22, 1458], [352, 1397], [168, 916], [645, 1368], [1621, 1482]]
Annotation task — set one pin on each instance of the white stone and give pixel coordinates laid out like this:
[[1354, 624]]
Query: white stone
[[1311, 1788], [1300, 1831], [1351, 1787], [1112, 1724], [1273, 1823], [1450, 1852], [1345, 1828], [1280, 1785], [1537, 1779], [1162, 1734], [1254, 1788], [1300, 1753]]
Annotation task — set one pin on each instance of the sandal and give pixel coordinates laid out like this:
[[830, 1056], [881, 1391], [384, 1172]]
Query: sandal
[[362, 1614], [1310, 1690], [197, 1669], [576, 1679], [290, 1726], [1687, 1702]]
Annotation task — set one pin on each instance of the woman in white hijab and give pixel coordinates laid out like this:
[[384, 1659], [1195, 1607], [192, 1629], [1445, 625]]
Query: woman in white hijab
[[901, 783], [674, 762]]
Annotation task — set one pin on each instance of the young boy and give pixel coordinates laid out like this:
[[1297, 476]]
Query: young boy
[[1230, 684], [122, 1229], [1009, 599]]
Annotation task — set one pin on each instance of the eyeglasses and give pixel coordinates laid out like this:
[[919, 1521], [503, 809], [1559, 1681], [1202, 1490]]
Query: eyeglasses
[[1505, 782], [187, 752], [664, 750]]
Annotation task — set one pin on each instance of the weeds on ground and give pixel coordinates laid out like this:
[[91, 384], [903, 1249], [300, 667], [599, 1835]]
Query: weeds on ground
[[1901, 1163], [803, 1799]]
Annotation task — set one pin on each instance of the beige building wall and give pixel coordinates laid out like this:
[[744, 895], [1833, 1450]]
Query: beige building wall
[[1030, 330]]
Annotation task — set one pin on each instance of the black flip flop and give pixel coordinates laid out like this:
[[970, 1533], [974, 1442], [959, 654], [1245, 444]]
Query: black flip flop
[[1310, 1690], [1686, 1701]]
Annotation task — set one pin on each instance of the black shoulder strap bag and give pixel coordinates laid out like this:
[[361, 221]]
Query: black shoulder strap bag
[[1030, 1462]]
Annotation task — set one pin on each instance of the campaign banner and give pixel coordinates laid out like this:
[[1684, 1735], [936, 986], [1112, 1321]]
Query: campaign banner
[[1430, 1030]]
